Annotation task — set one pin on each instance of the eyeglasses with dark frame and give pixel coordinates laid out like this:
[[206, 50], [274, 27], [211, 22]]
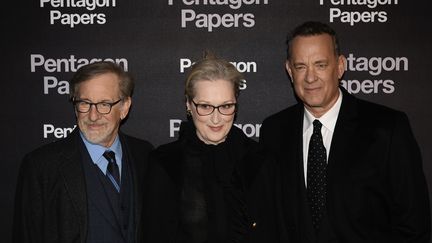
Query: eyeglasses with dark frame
[[207, 109], [104, 108]]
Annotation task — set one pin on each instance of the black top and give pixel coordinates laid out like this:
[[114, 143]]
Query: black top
[[193, 209], [194, 193]]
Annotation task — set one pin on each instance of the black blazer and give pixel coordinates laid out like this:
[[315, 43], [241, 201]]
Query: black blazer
[[164, 186], [51, 197], [376, 191]]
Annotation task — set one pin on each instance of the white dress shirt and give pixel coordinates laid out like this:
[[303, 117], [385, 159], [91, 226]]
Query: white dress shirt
[[328, 121]]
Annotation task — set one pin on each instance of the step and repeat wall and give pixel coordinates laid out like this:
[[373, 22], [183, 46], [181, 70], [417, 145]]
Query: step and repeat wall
[[387, 44]]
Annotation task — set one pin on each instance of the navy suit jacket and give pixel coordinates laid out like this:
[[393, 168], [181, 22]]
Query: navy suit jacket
[[376, 191], [51, 197]]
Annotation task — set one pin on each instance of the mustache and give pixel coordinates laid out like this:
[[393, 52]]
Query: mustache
[[98, 123]]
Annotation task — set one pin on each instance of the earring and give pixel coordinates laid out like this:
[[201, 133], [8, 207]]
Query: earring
[[188, 113]]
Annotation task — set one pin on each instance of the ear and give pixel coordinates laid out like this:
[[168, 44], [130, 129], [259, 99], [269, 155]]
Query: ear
[[341, 66], [125, 107], [188, 105], [288, 68]]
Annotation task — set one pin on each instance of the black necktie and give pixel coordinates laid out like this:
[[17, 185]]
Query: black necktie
[[112, 169], [316, 174]]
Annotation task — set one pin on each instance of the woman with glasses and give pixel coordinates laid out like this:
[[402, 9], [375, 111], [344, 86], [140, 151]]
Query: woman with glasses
[[194, 193]]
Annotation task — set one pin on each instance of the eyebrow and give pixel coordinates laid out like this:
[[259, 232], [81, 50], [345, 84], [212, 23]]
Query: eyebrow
[[304, 63], [209, 103], [86, 99]]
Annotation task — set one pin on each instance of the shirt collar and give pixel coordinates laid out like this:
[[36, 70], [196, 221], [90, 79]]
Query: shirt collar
[[328, 119], [96, 151]]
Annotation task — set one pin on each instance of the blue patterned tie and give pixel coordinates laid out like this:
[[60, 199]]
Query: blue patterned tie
[[316, 175], [112, 169]]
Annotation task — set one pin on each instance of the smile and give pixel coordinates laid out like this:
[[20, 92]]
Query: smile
[[94, 126], [312, 89], [216, 129]]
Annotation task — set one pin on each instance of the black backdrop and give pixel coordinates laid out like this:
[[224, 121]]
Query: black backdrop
[[388, 43]]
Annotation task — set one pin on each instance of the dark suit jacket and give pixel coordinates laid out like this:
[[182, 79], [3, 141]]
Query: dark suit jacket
[[376, 187], [51, 197]]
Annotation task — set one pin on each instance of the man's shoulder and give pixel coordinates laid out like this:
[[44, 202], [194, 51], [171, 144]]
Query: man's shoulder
[[52, 149], [48, 157], [376, 111], [376, 107], [137, 143], [283, 115], [365, 107], [373, 114], [167, 148]]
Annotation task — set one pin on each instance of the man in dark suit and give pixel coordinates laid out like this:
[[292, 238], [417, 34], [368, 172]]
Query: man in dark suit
[[341, 169], [86, 187]]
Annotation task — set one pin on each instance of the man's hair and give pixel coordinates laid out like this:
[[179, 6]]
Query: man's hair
[[311, 28], [212, 68], [89, 71]]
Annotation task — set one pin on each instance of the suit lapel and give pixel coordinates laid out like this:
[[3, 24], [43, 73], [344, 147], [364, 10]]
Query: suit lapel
[[344, 136], [343, 147], [99, 197], [292, 172], [292, 187], [304, 216], [135, 162], [73, 176]]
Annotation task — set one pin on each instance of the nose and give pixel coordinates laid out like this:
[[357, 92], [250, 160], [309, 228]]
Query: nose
[[310, 74], [93, 113], [215, 117]]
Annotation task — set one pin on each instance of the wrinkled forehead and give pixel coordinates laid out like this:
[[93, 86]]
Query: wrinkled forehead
[[99, 85], [302, 45]]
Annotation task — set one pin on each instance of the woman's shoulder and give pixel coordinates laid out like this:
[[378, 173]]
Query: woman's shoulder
[[238, 137]]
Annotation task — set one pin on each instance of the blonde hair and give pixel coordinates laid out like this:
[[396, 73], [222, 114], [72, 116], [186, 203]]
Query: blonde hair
[[211, 68]]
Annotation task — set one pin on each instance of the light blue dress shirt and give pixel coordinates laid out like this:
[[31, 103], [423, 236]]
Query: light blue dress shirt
[[96, 153]]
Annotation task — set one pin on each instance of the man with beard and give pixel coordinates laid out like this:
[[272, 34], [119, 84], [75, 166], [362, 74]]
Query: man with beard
[[86, 187]]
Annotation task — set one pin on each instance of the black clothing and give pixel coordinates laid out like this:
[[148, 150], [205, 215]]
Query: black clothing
[[193, 192], [376, 189], [54, 202]]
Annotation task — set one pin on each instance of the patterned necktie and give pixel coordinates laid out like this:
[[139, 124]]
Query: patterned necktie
[[316, 174], [112, 169]]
